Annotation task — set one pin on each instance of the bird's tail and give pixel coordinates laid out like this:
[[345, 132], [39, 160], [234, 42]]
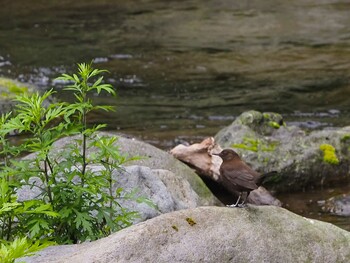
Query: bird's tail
[[264, 177]]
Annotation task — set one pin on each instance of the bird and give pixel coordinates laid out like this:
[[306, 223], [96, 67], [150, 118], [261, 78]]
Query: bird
[[237, 176]]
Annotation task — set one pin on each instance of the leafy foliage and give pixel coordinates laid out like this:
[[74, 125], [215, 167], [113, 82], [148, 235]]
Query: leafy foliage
[[20, 247], [76, 201]]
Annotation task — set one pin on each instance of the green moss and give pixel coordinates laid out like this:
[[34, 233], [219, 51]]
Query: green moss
[[12, 87], [175, 228], [255, 145], [190, 221], [274, 120], [329, 155], [4, 95], [18, 89], [274, 124], [345, 138], [248, 144]]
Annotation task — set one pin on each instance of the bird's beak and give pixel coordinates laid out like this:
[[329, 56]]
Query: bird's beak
[[215, 154]]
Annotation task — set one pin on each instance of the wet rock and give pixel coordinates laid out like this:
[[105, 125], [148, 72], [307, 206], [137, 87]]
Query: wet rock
[[337, 205], [213, 234], [266, 143]]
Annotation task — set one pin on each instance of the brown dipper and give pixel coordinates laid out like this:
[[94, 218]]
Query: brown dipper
[[237, 176]]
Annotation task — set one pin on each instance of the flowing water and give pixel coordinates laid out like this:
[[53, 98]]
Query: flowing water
[[185, 69]]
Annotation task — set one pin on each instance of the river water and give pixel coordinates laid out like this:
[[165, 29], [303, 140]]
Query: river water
[[185, 69]]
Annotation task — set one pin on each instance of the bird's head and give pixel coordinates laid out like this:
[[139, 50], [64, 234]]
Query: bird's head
[[227, 155]]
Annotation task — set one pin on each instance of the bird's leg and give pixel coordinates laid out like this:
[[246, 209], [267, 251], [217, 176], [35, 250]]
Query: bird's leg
[[243, 204], [236, 204]]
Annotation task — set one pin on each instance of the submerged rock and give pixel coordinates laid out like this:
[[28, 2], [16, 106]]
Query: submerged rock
[[301, 159], [213, 234], [337, 205]]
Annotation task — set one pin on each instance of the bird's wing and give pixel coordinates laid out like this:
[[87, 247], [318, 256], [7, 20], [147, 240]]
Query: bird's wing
[[245, 183], [243, 177]]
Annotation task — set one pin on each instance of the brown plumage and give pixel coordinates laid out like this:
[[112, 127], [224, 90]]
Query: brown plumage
[[237, 176]]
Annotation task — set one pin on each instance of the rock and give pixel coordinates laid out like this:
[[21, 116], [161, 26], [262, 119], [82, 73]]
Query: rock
[[213, 234], [262, 196], [155, 158], [9, 88], [266, 143], [200, 157], [166, 190], [338, 205]]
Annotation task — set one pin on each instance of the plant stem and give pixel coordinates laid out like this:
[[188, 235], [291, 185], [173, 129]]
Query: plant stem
[[84, 160], [84, 147], [49, 193], [3, 229], [110, 181], [9, 229], [47, 160]]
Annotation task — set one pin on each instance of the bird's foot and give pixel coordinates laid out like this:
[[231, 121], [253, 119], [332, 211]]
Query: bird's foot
[[232, 206], [242, 205]]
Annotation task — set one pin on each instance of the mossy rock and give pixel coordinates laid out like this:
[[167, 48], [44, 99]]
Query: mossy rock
[[9, 89], [263, 123], [302, 159]]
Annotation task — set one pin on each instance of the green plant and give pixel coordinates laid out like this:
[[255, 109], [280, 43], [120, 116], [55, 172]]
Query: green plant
[[18, 219], [77, 202], [19, 247]]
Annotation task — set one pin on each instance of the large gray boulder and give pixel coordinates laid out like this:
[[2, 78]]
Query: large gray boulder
[[167, 191], [214, 234], [266, 143], [155, 158]]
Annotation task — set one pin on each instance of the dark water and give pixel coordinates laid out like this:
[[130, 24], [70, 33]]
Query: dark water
[[185, 69], [309, 204]]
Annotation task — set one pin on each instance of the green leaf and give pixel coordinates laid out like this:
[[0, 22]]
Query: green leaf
[[65, 212], [20, 247], [38, 226], [83, 220], [6, 207], [146, 201], [41, 209]]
